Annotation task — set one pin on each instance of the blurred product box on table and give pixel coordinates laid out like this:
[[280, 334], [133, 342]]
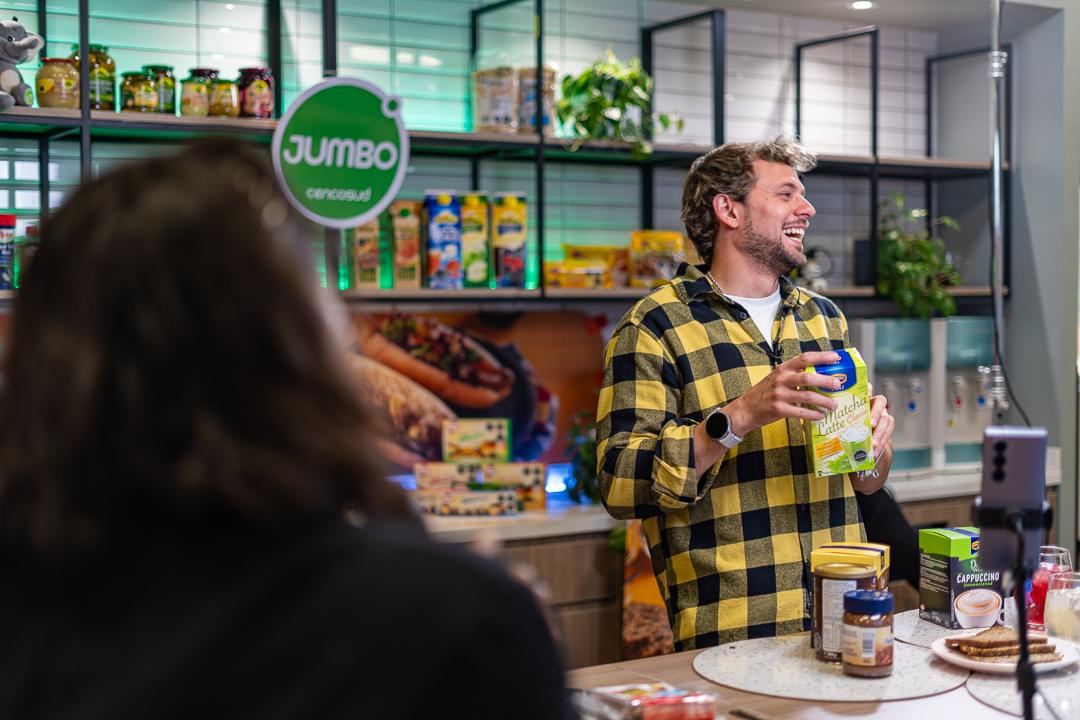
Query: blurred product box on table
[[442, 219], [509, 226], [471, 440], [655, 255], [528, 479], [475, 239], [405, 232], [443, 476], [468, 502], [365, 254], [871, 555], [842, 441], [647, 701], [954, 591]]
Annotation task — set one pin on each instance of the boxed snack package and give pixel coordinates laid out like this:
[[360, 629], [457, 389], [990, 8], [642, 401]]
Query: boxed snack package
[[438, 476], [495, 100], [405, 229], [527, 478], [953, 590], [645, 701], [842, 441], [476, 439], [655, 255], [578, 275], [442, 214], [509, 224], [475, 246], [613, 260], [365, 252], [871, 555], [468, 502], [527, 95]]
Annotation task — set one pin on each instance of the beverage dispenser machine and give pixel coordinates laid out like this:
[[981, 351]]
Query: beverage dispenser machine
[[969, 353]]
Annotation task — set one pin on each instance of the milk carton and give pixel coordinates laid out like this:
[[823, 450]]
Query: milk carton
[[842, 441]]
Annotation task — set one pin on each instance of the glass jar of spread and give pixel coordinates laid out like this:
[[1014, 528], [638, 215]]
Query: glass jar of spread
[[138, 93], [195, 97], [57, 84], [831, 581], [256, 92], [166, 87], [102, 71], [868, 633], [224, 98]]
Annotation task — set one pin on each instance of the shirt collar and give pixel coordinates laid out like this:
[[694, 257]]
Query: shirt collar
[[690, 283]]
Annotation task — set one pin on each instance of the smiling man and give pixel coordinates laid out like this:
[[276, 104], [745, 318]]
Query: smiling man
[[700, 419]]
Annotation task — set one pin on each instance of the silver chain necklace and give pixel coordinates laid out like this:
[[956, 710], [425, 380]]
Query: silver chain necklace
[[712, 281]]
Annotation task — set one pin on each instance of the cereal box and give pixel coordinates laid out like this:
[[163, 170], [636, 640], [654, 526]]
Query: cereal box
[[476, 439], [509, 221], [842, 441], [365, 252], [442, 211], [405, 227], [474, 239], [953, 590], [527, 478]]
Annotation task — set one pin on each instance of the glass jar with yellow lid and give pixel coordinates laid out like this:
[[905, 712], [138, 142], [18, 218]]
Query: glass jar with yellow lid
[[138, 93], [102, 71], [57, 84]]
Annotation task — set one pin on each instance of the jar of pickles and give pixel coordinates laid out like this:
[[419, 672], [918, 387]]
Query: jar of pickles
[[166, 87], [224, 98], [138, 93], [58, 84], [256, 92], [102, 71], [195, 97]]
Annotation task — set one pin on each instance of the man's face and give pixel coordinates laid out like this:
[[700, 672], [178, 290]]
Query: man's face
[[777, 216]]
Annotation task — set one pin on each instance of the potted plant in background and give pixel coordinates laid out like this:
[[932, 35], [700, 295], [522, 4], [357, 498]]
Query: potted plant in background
[[609, 100], [913, 267], [583, 483]]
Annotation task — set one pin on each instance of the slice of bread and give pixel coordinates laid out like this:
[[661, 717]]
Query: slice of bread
[[1033, 648], [1038, 658], [996, 636]]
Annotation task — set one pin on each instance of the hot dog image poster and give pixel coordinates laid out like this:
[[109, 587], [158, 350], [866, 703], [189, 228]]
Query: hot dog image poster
[[418, 370]]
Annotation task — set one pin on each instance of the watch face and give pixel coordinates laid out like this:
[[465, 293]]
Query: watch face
[[717, 425]]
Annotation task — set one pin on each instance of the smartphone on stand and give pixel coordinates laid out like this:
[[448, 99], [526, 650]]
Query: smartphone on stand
[[1013, 477]]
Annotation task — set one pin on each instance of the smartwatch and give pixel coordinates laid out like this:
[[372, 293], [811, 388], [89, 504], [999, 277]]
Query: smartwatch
[[718, 427]]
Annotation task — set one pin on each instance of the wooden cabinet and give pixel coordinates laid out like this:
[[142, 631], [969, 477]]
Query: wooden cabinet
[[956, 512], [581, 577]]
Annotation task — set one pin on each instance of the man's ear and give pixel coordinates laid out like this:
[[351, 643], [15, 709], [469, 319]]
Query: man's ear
[[728, 212]]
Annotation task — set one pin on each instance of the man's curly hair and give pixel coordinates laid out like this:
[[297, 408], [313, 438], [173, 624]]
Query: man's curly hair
[[728, 170]]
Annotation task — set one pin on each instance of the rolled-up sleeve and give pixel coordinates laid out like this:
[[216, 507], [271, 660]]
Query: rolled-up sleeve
[[645, 451]]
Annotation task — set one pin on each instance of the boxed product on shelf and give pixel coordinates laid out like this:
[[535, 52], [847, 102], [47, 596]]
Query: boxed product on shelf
[[495, 100], [509, 224], [528, 479], [365, 254], [655, 255], [442, 220], [444, 476], [578, 275], [405, 230], [468, 502], [476, 439], [526, 78], [645, 701], [614, 259], [475, 238]]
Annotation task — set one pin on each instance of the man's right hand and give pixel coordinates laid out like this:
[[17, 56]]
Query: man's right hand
[[783, 393]]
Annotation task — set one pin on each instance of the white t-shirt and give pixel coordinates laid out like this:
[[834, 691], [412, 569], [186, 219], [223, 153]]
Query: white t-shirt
[[763, 311]]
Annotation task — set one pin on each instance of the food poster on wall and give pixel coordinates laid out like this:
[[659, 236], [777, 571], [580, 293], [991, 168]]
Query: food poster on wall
[[646, 631], [418, 371]]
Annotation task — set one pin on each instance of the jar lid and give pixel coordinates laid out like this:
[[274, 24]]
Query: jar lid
[[134, 73], [838, 570], [204, 70], [69, 61], [158, 68], [868, 602], [255, 70], [93, 48]]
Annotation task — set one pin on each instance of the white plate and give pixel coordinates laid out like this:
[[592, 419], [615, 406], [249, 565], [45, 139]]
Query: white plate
[[1069, 652]]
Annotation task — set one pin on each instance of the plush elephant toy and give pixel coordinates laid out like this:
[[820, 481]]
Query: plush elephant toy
[[16, 46]]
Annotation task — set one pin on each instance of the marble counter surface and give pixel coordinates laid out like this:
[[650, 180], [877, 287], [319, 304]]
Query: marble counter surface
[[560, 519]]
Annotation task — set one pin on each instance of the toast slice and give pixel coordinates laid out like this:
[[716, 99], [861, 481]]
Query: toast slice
[[996, 636], [1035, 658], [1033, 648]]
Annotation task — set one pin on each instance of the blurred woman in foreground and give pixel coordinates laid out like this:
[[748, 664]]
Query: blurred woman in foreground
[[178, 436]]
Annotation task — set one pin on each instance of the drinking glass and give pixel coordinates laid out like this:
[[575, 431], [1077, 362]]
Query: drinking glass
[[1062, 612], [1052, 560]]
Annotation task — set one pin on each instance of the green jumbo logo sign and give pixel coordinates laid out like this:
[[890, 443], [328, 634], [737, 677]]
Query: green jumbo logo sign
[[341, 152]]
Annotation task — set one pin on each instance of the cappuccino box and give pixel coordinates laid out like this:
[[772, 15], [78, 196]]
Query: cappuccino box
[[953, 590], [842, 441]]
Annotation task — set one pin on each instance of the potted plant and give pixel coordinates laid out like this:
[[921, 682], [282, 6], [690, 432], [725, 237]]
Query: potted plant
[[583, 483], [912, 265], [609, 100]]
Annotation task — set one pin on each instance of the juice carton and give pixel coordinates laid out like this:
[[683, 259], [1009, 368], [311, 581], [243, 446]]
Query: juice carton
[[474, 239], [442, 211], [405, 226], [842, 441], [365, 251], [509, 220]]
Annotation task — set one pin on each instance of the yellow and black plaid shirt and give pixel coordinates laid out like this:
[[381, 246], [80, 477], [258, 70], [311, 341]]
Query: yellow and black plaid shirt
[[730, 547]]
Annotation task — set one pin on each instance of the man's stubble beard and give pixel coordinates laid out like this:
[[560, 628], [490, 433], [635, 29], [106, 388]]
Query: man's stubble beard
[[770, 254]]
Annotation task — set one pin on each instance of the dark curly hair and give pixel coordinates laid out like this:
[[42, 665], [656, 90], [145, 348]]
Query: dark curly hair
[[729, 170], [171, 365]]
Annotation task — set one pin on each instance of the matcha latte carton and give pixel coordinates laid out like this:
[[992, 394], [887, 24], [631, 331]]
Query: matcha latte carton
[[842, 441]]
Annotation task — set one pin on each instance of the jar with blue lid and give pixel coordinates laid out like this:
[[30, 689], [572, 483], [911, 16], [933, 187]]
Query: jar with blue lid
[[868, 633]]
